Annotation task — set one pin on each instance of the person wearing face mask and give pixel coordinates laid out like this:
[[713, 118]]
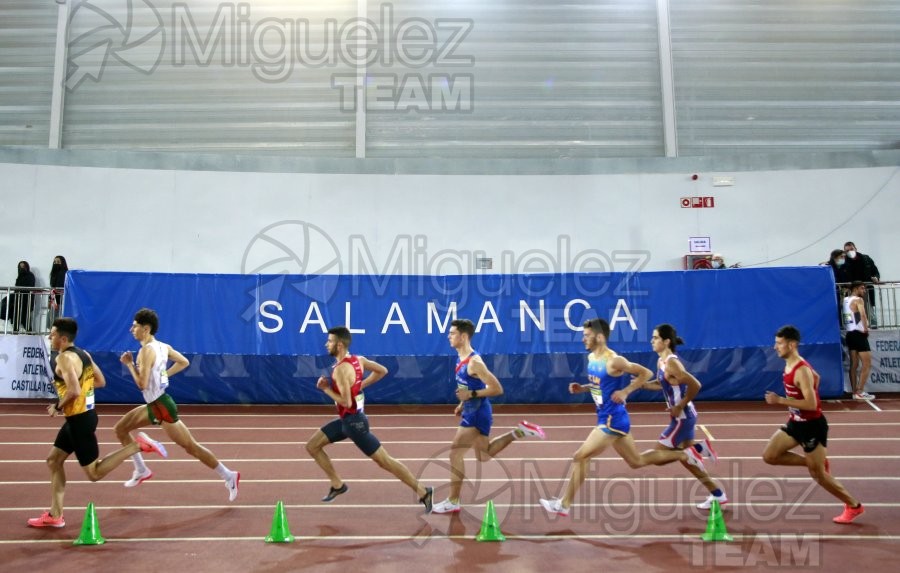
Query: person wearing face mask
[[861, 267], [58, 279], [23, 302], [838, 263], [718, 262]]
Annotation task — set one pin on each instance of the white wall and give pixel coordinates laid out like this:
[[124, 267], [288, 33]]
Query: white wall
[[208, 222]]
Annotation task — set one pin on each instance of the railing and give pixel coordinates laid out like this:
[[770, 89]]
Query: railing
[[28, 310], [882, 303]]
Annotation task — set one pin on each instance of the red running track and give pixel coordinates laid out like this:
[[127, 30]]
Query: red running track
[[623, 520]]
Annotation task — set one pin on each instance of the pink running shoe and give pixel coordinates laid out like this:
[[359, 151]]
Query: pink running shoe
[[150, 445], [849, 514], [45, 520], [531, 430]]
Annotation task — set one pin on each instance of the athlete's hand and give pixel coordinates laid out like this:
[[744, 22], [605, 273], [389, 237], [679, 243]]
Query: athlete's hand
[[463, 394], [322, 383], [126, 358], [458, 410], [619, 396], [574, 388], [51, 409], [772, 397], [676, 410]]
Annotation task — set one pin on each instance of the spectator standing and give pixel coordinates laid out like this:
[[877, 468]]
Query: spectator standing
[[57, 282], [862, 268], [24, 299]]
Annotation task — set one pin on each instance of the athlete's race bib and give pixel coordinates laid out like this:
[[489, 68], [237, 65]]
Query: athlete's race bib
[[163, 378], [360, 402], [597, 395], [89, 400]]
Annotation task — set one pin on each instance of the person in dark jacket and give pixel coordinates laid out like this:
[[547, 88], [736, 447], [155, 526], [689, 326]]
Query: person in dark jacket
[[58, 277], [23, 305], [862, 268]]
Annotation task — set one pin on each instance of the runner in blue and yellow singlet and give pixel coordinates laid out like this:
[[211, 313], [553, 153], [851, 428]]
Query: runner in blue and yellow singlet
[[475, 385], [609, 385]]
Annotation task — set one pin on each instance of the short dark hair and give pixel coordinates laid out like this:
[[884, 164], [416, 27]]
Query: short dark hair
[[464, 326], [67, 327], [598, 325], [789, 332], [342, 333], [856, 284], [147, 317], [667, 332], [836, 253], [849, 244]]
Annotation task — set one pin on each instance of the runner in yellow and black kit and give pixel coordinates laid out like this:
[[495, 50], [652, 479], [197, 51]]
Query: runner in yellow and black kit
[[75, 376]]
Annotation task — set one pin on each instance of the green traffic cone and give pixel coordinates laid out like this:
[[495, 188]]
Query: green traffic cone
[[715, 525], [90, 529], [281, 532], [490, 529]]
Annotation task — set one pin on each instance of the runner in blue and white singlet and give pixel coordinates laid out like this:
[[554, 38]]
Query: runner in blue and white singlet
[[681, 428], [679, 387], [475, 384], [476, 412]]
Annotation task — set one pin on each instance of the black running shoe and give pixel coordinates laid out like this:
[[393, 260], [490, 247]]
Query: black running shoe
[[428, 499], [334, 492]]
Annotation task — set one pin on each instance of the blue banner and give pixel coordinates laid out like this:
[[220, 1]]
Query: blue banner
[[260, 338]]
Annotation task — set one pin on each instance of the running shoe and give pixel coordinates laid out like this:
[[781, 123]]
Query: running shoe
[[45, 520], [722, 499], [709, 451], [849, 514], [148, 444], [138, 477], [531, 430], [334, 492], [428, 499], [693, 458], [232, 484], [554, 506], [446, 506]]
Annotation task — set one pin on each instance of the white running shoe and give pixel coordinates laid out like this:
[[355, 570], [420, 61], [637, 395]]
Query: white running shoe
[[554, 506], [232, 485], [863, 396], [137, 478], [693, 458], [722, 499], [531, 430], [446, 506], [709, 451]]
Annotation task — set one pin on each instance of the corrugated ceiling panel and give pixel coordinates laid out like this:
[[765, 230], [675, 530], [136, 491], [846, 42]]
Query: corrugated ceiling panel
[[794, 76], [546, 80], [205, 76], [27, 43]]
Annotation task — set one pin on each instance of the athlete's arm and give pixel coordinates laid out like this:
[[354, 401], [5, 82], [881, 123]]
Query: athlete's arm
[[652, 385], [179, 360], [99, 378], [479, 370], [140, 371], [675, 371], [858, 306], [576, 388], [639, 376], [376, 371], [343, 379], [65, 368]]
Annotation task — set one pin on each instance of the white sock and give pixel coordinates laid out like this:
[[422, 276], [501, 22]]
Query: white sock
[[139, 464], [223, 472]]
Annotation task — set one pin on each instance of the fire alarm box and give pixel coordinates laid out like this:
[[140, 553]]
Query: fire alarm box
[[696, 261]]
